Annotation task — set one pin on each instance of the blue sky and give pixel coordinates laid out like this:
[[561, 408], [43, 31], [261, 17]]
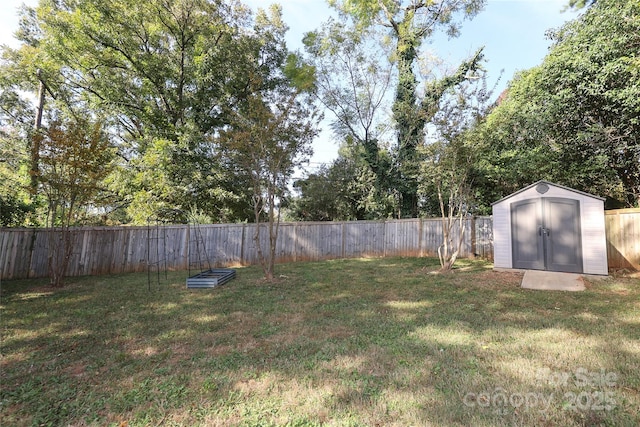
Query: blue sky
[[512, 31]]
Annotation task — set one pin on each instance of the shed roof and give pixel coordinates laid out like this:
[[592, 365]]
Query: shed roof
[[548, 183]]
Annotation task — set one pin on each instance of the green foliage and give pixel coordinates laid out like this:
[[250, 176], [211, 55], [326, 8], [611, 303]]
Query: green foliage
[[314, 202], [411, 22], [356, 193], [13, 212], [514, 153], [151, 182], [168, 75], [165, 71], [301, 74], [16, 132], [575, 118], [579, 4], [76, 158], [593, 76]]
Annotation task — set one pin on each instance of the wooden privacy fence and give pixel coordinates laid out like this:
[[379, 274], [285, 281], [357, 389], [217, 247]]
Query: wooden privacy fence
[[112, 250], [623, 238]]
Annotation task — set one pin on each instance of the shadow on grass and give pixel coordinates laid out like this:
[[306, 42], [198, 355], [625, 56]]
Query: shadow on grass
[[349, 342]]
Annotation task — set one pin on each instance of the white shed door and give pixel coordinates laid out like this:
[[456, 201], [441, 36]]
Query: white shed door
[[545, 234]]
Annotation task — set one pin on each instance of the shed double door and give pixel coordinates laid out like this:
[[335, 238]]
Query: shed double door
[[545, 234]]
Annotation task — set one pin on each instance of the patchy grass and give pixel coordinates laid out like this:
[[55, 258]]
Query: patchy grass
[[350, 343]]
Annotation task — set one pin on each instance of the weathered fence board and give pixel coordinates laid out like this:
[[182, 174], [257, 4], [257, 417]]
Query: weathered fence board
[[623, 238], [402, 238], [317, 241], [112, 250], [484, 237]]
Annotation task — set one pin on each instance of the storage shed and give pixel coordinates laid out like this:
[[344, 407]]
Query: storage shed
[[547, 226]]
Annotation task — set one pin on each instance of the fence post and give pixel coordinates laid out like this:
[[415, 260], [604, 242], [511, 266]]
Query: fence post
[[295, 242], [384, 238], [244, 228], [343, 239], [420, 238], [472, 234], [187, 240]]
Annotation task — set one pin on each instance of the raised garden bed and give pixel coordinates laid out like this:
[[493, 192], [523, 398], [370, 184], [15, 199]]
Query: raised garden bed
[[211, 278]]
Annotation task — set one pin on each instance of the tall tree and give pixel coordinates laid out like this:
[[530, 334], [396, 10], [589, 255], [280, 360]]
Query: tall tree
[[23, 76], [268, 142], [270, 130], [592, 77], [410, 23], [161, 71]]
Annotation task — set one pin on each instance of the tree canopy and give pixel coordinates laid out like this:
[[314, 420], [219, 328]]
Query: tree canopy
[[168, 76], [575, 118], [186, 89]]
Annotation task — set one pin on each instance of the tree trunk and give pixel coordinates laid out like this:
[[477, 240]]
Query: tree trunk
[[406, 112], [257, 209], [445, 255], [60, 251], [36, 141]]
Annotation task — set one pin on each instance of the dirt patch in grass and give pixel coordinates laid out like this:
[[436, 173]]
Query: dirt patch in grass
[[490, 279]]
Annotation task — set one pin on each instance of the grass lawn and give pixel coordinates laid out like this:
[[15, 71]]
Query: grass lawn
[[360, 342]]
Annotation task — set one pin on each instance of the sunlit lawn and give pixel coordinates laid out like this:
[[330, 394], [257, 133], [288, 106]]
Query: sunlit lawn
[[351, 342]]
